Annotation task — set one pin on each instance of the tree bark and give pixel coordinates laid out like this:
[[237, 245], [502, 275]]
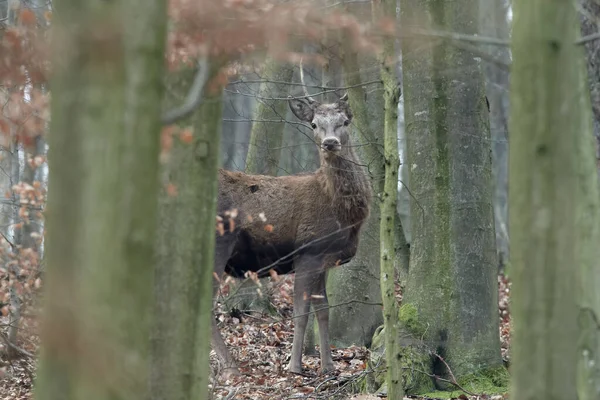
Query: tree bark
[[451, 296], [181, 336], [590, 24], [104, 141], [494, 23], [545, 135], [266, 138], [395, 390], [358, 281]]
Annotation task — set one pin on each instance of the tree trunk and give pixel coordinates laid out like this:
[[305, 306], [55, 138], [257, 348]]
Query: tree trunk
[[266, 138], [451, 297], [395, 390], [181, 336], [494, 23], [357, 282], [588, 224], [590, 24], [264, 155], [545, 135], [101, 211]]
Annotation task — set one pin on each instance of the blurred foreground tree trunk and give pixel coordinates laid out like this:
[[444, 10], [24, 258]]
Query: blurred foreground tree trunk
[[104, 146], [554, 218], [184, 271], [451, 296]]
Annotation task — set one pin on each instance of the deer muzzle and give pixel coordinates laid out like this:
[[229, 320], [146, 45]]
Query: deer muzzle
[[331, 144]]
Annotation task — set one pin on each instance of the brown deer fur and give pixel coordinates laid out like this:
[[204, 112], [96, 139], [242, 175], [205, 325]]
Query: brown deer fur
[[316, 220]]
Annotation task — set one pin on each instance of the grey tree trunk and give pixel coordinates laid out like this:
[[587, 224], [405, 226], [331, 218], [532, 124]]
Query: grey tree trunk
[[263, 157], [546, 131], [451, 296], [183, 303], [357, 283], [266, 138], [590, 24], [494, 23], [104, 144]]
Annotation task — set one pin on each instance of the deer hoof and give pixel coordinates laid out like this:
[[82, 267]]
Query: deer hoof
[[295, 369], [327, 368]]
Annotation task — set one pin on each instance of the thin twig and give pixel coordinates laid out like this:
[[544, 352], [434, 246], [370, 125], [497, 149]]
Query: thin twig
[[193, 99], [17, 348], [588, 38]]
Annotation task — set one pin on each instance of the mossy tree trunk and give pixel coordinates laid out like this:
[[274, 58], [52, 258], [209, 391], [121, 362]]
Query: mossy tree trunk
[[588, 230], [183, 305], [391, 94], [547, 133], [103, 162], [357, 282], [452, 283]]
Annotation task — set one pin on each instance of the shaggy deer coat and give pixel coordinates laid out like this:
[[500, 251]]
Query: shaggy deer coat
[[316, 220]]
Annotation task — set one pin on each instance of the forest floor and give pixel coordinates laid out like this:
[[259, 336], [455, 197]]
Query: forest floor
[[262, 344]]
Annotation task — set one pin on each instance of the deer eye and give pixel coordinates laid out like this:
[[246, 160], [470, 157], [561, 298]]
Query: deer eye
[[313, 125], [346, 122]]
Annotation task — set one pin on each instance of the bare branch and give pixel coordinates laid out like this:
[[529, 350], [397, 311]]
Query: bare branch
[[194, 97], [588, 38], [457, 36]]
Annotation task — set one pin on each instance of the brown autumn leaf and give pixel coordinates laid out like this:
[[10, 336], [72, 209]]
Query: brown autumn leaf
[[171, 189], [186, 136], [27, 17]]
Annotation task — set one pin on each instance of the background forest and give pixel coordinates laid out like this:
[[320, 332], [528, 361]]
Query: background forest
[[477, 271]]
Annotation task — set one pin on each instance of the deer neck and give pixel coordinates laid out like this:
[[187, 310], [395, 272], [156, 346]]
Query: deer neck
[[346, 184]]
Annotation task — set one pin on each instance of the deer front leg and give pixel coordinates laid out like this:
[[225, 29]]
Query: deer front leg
[[321, 306], [223, 248], [302, 292]]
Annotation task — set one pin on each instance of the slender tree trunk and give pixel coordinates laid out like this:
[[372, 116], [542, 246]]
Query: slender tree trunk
[[104, 145], [181, 336], [451, 297], [395, 390], [590, 24], [545, 135], [494, 23]]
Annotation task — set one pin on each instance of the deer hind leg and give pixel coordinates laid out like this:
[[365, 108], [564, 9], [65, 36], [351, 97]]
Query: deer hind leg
[[321, 306], [223, 249]]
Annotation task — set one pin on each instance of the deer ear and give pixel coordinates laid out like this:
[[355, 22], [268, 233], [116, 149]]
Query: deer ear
[[343, 105], [305, 112]]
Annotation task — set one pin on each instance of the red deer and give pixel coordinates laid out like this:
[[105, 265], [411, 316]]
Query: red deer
[[316, 219]]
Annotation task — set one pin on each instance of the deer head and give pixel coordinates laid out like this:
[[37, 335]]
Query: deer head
[[328, 121]]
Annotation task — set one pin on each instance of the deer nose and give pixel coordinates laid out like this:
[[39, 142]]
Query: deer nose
[[331, 144]]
